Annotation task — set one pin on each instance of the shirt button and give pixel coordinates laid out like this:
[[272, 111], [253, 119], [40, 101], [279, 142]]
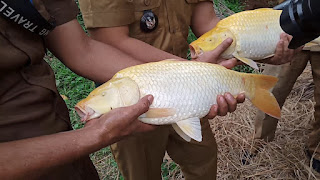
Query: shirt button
[[147, 2]]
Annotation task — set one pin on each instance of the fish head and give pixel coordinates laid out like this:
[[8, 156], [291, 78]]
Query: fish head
[[118, 92], [211, 40]]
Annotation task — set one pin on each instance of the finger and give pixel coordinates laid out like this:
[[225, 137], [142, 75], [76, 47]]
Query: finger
[[229, 63], [279, 51], [213, 112], [221, 48], [141, 106], [143, 127], [241, 98], [222, 106], [231, 101], [285, 46]]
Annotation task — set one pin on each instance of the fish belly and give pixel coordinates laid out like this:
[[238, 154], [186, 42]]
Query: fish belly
[[257, 34], [190, 88]]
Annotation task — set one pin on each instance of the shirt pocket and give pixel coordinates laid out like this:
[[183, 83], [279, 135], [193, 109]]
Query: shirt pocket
[[141, 5]]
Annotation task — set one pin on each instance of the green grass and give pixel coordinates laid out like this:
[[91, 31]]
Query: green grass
[[77, 88], [234, 5], [71, 85]]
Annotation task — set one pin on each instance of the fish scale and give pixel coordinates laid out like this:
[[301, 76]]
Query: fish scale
[[183, 93], [255, 36], [256, 33], [178, 84]]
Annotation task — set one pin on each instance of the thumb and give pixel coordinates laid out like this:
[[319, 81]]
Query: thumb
[[222, 47], [229, 63], [142, 105]]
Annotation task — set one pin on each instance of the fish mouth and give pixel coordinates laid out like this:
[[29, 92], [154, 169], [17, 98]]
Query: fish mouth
[[195, 51], [86, 114]]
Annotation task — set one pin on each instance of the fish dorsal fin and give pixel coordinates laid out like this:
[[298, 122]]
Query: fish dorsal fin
[[191, 127], [247, 61], [181, 133], [159, 113]]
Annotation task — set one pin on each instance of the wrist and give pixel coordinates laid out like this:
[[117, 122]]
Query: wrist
[[100, 137]]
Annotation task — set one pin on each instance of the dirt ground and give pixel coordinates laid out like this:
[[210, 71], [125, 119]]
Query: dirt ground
[[253, 4]]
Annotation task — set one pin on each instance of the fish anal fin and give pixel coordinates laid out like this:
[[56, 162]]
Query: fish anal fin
[[247, 61], [181, 133], [159, 113], [271, 55], [191, 127]]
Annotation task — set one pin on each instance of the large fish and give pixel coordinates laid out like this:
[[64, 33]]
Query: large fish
[[183, 93], [313, 45], [255, 36]]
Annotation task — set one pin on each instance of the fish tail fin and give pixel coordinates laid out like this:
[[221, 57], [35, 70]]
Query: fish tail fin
[[261, 95]]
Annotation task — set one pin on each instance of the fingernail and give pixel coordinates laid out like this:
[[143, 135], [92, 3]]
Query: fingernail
[[150, 99], [229, 40]]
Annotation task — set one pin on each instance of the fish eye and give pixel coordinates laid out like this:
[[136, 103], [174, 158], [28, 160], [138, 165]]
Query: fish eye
[[111, 108]]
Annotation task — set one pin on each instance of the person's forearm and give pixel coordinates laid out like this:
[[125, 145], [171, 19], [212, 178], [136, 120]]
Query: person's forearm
[[86, 57], [203, 18], [141, 50], [35, 156]]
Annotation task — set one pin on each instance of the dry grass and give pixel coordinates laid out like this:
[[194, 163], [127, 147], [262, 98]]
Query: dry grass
[[283, 158]]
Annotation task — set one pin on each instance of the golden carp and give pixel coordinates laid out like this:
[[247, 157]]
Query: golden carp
[[183, 93], [255, 36], [313, 45]]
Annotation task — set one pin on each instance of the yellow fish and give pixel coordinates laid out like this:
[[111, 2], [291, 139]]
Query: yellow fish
[[313, 45], [255, 36], [183, 93]]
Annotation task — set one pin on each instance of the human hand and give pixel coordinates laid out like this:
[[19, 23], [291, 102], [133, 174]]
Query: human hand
[[121, 122], [214, 55], [282, 54], [226, 103]]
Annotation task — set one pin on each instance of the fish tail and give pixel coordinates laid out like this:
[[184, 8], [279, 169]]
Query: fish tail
[[261, 96]]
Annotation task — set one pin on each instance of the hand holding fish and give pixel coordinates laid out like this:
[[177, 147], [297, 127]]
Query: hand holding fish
[[257, 36], [282, 54], [214, 56], [123, 121], [226, 103]]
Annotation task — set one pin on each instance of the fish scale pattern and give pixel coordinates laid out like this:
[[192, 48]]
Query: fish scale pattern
[[190, 88], [257, 34]]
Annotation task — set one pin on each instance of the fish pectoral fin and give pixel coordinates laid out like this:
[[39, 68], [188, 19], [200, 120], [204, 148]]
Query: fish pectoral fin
[[190, 127], [181, 133], [247, 61], [159, 113]]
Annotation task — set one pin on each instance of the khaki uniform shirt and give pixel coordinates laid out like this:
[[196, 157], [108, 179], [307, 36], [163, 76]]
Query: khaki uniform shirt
[[30, 104], [174, 20]]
